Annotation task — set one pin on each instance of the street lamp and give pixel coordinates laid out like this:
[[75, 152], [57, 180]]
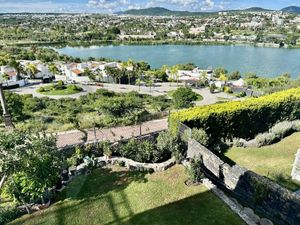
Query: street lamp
[[6, 116]]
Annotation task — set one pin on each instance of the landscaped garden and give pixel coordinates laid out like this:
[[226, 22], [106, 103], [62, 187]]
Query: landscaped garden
[[60, 89], [116, 196], [273, 161]]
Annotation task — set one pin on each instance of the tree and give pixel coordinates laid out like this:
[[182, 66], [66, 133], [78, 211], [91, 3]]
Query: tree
[[183, 97], [32, 70], [17, 66], [32, 164], [235, 75], [5, 76], [53, 69], [219, 71]]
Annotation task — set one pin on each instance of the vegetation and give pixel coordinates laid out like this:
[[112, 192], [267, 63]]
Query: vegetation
[[114, 197], [60, 89], [273, 161], [241, 119], [31, 165], [102, 109], [184, 97]]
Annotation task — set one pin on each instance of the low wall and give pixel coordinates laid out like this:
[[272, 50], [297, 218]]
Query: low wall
[[137, 166], [264, 196]]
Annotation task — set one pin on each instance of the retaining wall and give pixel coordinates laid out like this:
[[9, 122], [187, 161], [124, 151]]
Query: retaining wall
[[258, 192]]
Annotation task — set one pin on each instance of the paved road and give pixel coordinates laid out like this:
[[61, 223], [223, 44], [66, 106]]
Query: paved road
[[70, 138], [159, 89]]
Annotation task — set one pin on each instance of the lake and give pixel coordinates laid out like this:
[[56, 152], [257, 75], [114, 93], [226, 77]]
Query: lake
[[268, 62]]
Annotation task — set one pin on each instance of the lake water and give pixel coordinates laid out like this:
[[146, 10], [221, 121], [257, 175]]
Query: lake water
[[268, 62]]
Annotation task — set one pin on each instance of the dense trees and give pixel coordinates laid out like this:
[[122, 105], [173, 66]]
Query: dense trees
[[32, 164]]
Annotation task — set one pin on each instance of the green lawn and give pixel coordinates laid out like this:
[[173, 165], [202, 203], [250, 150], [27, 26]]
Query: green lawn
[[274, 161], [48, 90], [121, 197]]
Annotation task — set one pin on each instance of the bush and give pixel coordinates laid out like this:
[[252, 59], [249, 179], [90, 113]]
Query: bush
[[60, 83], [41, 89], [241, 94], [183, 97], [282, 129], [200, 136], [265, 139], [195, 171], [241, 119], [141, 151], [74, 87], [296, 125], [170, 144], [227, 90]]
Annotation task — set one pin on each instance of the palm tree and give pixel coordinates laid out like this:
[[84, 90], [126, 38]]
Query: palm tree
[[32, 70], [18, 67], [53, 69], [6, 116]]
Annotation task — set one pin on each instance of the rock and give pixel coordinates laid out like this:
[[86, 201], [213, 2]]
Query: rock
[[264, 221], [251, 215]]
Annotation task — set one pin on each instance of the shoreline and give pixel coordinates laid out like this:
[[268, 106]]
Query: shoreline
[[144, 42]]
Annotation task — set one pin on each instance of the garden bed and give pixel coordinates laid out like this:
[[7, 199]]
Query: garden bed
[[60, 89]]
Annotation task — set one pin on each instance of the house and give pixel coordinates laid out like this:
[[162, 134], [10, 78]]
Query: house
[[237, 83], [12, 79]]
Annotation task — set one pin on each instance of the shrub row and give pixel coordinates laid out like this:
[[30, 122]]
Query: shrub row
[[276, 133], [242, 119]]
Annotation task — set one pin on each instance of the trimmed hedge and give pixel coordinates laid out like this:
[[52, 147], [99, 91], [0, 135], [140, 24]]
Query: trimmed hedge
[[242, 119]]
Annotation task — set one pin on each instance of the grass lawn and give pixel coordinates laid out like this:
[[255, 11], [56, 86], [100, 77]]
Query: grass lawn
[[48, 90], [121, 197], [274, 161]]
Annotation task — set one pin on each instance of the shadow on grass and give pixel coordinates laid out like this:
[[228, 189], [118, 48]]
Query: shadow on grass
[[202, 209], [96, 186]]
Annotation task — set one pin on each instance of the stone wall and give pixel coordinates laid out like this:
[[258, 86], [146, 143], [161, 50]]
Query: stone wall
[[253, 190]]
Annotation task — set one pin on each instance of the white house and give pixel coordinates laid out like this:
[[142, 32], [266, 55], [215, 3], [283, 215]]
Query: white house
[[12, 79]]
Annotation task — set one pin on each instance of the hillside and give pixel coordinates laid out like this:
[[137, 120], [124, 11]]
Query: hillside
[[292, 9], [159, 11]]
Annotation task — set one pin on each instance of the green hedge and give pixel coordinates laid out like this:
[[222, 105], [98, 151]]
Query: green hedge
[[243, 119]]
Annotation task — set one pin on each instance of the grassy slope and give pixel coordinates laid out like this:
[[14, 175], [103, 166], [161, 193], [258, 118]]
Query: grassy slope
[[274, 161], [119, 197]]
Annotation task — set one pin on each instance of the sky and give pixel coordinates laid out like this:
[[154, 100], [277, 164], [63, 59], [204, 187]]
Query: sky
[[110, 6]]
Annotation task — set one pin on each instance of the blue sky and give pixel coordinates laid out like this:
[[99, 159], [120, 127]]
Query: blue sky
[[108, 6]]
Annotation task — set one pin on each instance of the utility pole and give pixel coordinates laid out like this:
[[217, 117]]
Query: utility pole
[[6, 116]]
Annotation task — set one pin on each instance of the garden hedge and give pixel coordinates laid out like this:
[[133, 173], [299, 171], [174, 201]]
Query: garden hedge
[[241, 119]]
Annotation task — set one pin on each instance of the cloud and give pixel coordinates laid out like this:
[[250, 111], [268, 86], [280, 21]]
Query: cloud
[[108, 4]]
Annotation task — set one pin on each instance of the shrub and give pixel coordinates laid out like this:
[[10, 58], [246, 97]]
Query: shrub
[[183, 97], [41, 89], [74, 87], [227, 90], [296, 125], [282, 129], [243, 119], [195, 171], [241, 94], [60, 83], [200, 136], [265, 139]]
